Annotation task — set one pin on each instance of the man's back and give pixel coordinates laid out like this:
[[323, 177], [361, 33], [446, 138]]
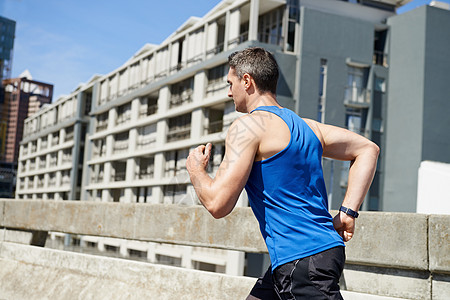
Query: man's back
[[287, 192]]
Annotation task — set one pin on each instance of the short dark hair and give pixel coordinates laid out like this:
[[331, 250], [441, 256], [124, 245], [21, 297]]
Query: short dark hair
[[258, 63]]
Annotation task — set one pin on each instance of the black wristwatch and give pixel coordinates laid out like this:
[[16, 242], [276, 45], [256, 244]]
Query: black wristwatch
[[349, 211]]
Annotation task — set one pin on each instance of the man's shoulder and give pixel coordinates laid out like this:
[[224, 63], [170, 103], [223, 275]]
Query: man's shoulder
[[244, 128]]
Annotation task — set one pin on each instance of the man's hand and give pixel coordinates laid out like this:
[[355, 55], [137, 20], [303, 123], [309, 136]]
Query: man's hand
[[198, 159], [344, 225]]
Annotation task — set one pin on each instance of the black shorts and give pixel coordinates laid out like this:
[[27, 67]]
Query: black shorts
[[313, 277]]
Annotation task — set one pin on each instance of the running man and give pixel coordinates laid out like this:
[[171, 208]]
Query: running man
[[276, 156]]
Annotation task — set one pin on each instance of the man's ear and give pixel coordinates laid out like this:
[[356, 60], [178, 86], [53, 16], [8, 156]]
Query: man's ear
[[247, 80]]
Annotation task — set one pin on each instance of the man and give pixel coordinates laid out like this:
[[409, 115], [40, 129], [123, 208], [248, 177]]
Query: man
[[277, 156]]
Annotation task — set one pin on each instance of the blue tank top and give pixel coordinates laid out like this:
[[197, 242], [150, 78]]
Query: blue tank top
[[288, 196]]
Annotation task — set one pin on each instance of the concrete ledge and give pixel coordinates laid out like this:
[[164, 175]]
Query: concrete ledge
[[401, 283], [390, 239], [29, 272], [381, 239], [387, 256], [184, 225], [439, 243]]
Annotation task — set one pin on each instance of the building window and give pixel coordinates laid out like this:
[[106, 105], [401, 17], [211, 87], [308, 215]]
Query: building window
[[217, 79], [144, 194], [146, 167], [176, 162], [123, 113], [96, 174], [87, 103], [270, 27], [215, 120], [146, 136], [217, 153], [355, 119], [177, 53], [168, 260], [322, 91], [179, 128], [119, 169], [102, 122], [121, 142], [218, 46], [99, 148], [379, 54], [293, 20], [149, 105], [355, 91], [181, 92], [69, 134]]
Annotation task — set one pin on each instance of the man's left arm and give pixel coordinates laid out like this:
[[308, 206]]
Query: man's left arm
[[342, 144]]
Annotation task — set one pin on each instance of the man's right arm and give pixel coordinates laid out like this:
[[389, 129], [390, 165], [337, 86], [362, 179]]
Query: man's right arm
[[219, 194]]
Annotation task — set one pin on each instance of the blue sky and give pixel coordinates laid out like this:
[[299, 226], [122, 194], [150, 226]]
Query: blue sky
[[66, 42]]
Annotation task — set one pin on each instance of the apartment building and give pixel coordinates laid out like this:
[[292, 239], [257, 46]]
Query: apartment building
[[23, 97], [51, 152], [335, 61]]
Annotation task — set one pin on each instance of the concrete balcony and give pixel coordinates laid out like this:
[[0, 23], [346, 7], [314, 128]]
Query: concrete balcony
[[392, 255]]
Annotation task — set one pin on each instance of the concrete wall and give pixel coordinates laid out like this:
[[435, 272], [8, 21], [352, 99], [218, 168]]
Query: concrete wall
[[392, 254]]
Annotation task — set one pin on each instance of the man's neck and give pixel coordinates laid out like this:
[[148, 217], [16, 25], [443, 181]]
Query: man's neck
[[267, 99]]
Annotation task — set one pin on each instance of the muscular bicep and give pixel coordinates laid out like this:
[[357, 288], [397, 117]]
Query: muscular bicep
[[342, 144]]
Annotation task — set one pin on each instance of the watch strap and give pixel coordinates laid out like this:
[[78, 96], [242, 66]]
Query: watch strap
[[349, 211]]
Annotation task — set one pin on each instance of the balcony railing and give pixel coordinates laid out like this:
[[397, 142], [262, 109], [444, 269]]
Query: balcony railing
[[243, 37], [148, 110], [145, 174], [121, 146], [216, 86], [118, 176], [217, 49], [416, 264], [146, 141], [356, 97], [69, 137], [179, 134], [55, 141], [123, 118], [180, 99], [101, 126], [52, 182]]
